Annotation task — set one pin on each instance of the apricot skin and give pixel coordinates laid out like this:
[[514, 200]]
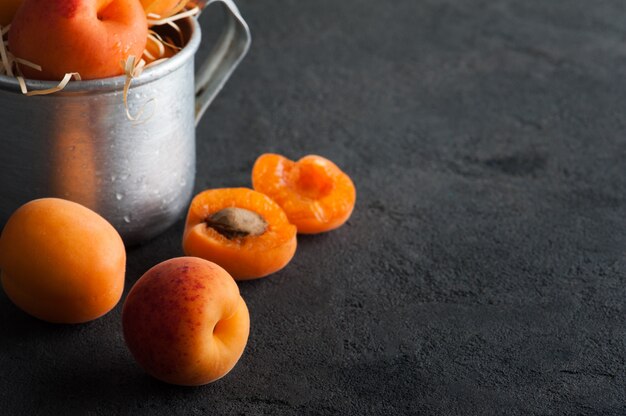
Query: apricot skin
[[185, 322], [61, 262], [90, 37]]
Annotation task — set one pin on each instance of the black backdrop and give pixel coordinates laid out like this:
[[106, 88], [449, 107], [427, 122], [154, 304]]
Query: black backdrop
[[483, 269]]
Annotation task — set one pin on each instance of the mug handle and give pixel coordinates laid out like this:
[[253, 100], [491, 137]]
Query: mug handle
[[229, 50]]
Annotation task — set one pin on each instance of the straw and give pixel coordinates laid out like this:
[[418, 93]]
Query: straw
[[156, 20], [61, 85]]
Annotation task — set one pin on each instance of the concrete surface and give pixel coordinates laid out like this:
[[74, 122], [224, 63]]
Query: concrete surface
[[483, 269]]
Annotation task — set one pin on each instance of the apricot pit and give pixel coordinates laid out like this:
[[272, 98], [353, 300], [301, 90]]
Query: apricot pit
[[237, 222]]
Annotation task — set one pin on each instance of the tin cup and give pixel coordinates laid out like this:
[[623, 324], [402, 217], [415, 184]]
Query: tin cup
[[78, 144]]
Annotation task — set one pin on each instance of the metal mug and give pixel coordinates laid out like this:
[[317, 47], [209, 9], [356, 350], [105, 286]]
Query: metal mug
[[78, 144]]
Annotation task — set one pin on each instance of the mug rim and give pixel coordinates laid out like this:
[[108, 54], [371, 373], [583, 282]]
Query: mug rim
[[192, 27]]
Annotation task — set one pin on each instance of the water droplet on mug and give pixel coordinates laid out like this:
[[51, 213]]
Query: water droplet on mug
[[119, 196], [113, 178], [127, 219]]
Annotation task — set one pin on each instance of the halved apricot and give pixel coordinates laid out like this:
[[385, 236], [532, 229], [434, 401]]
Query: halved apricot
[[243, 231], [314, 193]]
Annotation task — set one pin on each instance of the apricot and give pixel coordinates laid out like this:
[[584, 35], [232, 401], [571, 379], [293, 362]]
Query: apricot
[[61, 262], [185, 322], [163, 8], [90, 37], [7, 10], [243, 231], [314, 193]]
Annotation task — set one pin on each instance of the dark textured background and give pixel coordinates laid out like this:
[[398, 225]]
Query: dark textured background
[[483, 269]]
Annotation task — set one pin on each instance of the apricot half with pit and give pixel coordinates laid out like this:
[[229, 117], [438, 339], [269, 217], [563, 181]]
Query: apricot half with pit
[[242, 230]]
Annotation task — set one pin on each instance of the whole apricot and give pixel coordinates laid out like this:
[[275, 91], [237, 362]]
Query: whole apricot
[[90, 37], [185, 322], [61, 262]]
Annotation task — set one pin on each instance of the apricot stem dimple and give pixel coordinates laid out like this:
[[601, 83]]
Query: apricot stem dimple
[[235, 222]]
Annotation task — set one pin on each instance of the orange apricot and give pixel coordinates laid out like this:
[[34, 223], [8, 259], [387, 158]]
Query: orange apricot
[[243, 231], [185, 322], [90, 37], [61, 262], [314, 193]]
